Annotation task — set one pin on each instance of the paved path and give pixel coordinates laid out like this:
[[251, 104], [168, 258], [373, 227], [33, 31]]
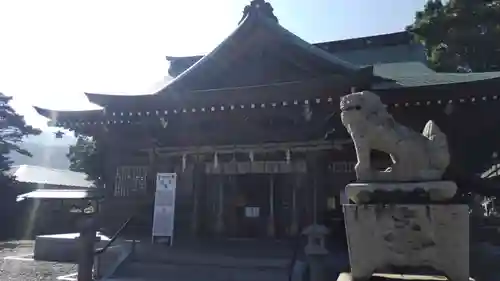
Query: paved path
[[17, 264]]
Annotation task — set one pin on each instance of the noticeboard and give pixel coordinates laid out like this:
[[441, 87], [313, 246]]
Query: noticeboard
[[164, 208]]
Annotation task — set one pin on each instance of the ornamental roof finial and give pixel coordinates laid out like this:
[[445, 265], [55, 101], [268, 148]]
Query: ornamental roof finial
[[259, 7]]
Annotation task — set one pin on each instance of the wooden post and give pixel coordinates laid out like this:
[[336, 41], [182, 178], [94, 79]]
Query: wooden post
[[298, 202], [197, 170], [315, 199], [294, 227], [86, 249], [153, 170], [271, 231], [220, 211]]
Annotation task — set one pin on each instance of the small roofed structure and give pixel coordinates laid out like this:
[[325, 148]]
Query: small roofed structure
[[54, 193], [45, 177], [70, 194]]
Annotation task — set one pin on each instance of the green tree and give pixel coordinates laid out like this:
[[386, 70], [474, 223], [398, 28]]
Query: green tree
[[13, 129], [86, 156], [460, 35]]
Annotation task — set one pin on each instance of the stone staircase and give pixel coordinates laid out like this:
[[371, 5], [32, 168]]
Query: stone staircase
[[157, 262], [193, 272]]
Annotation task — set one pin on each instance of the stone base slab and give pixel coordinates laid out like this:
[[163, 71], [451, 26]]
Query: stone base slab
[[61, 247], [391, 238], [395, 277], [362, 193]]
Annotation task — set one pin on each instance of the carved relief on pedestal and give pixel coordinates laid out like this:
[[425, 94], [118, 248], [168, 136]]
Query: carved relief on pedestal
[[408, 236]]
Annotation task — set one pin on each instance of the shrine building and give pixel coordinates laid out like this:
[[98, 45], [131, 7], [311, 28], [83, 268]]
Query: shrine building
[[244, 126]]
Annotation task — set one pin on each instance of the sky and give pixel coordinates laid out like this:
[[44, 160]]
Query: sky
[[53, 51]]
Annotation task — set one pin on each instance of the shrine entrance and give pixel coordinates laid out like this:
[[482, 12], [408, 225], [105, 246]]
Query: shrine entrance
[[249, 206]]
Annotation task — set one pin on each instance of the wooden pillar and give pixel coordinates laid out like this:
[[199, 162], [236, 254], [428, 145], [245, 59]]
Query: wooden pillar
[[86, 249], [300, 202], [315, 198], [198, 193], [316, 174], [111, 161], [153, 170], [294, 225], [219, 227], [271, 230]]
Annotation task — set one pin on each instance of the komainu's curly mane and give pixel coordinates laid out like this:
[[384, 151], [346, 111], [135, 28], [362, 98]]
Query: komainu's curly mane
[[415, 156]]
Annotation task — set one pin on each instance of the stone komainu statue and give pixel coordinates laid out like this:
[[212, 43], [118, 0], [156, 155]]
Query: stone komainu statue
[[415, 156]]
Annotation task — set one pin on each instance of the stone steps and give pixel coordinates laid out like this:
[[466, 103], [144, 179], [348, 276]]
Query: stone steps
[[190, 272]]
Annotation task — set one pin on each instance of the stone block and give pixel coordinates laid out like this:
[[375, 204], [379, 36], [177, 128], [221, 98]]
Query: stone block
[[434, 191], [390, 238], [61, 247], [395, 277]]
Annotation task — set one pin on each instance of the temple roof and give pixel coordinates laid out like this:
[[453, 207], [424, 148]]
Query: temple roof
[[208, 82], [256, 34], [363, 51], [415, 74], [56, 115], [48, 176], [246, 37], [410, 81]]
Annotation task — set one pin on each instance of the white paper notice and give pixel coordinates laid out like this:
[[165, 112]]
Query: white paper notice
[[252, 212]]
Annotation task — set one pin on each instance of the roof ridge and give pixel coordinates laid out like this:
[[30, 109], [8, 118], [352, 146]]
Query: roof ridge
[[316, 44]]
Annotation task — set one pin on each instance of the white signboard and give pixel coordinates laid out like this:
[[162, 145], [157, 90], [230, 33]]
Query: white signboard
[[164, 208]]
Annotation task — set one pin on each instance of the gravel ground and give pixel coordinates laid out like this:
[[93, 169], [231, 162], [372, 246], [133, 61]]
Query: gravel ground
[[28, 270]]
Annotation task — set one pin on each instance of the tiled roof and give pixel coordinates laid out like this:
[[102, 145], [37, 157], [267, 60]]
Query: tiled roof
[[252, 25], [386, 48], [374, 41], [48, 176], [384, 54], [414, 74], [43, 193]]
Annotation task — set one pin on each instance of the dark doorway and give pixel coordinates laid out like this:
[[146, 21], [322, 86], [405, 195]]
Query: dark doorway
[[250, 204]]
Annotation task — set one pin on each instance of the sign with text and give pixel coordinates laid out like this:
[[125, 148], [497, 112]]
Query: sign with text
[[252, 212], [164, 208]]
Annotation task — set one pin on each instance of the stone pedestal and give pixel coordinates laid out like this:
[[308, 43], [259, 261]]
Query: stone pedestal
[[403, 227], [388, 237], [434, 191]]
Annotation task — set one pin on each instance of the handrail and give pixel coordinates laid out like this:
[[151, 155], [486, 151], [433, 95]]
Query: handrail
[[115, 236]]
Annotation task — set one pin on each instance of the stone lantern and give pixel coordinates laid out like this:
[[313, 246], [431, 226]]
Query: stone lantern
[[316, 239], [316, 251]]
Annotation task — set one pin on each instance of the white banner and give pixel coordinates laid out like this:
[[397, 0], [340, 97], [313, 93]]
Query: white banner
[[164, 208]]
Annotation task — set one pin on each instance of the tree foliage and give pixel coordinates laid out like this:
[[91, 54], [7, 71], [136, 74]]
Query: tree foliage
[[86, 156], [460, 35], [13, 129]]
